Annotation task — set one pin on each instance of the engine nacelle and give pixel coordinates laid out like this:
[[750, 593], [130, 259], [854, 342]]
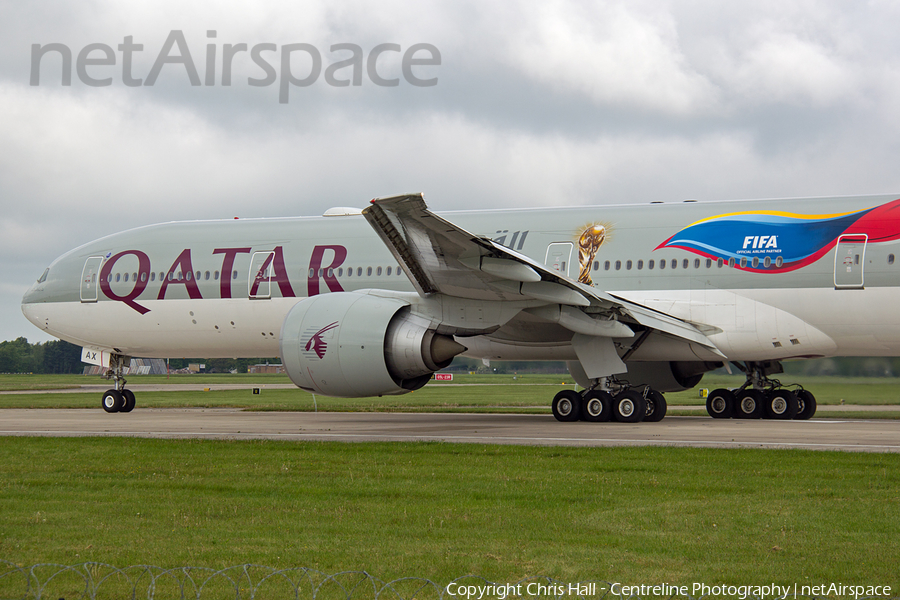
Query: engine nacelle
[[673, 376], [662, 376], [356, 345]]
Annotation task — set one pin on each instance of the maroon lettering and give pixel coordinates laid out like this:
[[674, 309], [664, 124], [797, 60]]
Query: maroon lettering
[[228, 267], [280, 277], [182, 263], [315, 265], [140, 283]]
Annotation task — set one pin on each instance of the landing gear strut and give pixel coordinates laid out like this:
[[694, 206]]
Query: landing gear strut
[[609, 399], [118, 399], [761, 397]]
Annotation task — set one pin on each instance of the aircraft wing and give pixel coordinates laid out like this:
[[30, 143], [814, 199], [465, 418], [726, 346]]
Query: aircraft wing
[[440, 257]]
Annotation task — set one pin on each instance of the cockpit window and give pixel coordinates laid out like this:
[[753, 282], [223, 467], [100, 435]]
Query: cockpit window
[[43, 276]]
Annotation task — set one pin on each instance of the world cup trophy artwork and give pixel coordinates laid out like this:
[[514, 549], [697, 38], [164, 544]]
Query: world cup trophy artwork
[[589, 241]]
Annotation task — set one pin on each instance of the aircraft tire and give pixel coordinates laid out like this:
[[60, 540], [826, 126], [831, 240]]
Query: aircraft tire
[[749, 404], [781, 404], [656, 407], [807, 404], [567, 406], [596, 406], [629, 407], [112, 401], [720, 404], [130, 401]]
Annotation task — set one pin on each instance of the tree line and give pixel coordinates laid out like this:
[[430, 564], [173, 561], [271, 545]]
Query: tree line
[[18, 356]]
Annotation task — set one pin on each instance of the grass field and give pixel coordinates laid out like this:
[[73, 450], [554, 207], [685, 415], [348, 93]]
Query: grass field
[[467, 393], [441, 511]]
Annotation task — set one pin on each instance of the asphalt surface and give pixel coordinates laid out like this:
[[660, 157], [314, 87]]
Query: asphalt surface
[[700, 431]]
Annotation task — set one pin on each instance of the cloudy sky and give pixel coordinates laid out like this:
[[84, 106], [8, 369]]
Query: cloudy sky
[[535, 104]]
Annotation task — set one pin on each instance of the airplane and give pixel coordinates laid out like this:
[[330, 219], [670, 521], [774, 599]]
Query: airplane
[[638, 300]]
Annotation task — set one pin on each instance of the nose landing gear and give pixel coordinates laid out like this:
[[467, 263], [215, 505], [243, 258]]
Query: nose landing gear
[[118, 399]]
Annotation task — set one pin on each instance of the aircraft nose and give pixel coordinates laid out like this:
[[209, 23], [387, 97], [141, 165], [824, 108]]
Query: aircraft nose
[[32, 300]]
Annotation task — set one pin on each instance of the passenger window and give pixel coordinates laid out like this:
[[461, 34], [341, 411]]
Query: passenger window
[[731, 262], [206, 276], [686, 263], [650, 265], [755, 262], [606, 266], [200, 275], [627, 265], [719, 262], [767, 262], [596, 265], [126, 278], [779, 261], [696, 263], [341, 272], [359, 271], [350, 272], [143, 276], [674, 263], [118, 277], [743, 261], [378, 271], [153, 276], [708, 263], [388, 273], [618, 265], [187, 276], [216, 275], [234, 274], [662, 264], [640, 265], [369, 272], [890, 260]]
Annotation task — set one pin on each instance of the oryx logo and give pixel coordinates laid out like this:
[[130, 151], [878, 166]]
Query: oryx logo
[[316, 342]]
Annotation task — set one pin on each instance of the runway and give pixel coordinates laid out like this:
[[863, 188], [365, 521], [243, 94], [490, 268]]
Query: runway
[[223, 423]]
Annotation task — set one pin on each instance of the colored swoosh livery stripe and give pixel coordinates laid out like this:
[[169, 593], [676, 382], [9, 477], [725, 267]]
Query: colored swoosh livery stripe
[[798, 240]]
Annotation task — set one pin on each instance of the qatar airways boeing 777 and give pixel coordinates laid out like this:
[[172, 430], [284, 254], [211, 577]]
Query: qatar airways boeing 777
[[637, 299]]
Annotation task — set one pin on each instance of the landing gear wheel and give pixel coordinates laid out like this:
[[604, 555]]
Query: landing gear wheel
[[112, 401], [130, 401], [596, 406], [567, 406], [629, 407], [781, 404], [656, 407], [720, 404], [749, 404], [807, 405]]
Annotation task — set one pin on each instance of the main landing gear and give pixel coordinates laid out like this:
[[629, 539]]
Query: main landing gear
[[616, 403], [117, 399], [761, 397]]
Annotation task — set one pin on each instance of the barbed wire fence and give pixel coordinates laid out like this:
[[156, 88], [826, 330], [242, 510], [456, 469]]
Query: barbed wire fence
[[100, 581]]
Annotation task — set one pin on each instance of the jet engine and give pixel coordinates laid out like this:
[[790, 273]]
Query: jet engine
[[354, 345]]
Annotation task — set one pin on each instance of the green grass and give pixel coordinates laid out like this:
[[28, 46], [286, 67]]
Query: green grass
[[467, 393], [441, 511]]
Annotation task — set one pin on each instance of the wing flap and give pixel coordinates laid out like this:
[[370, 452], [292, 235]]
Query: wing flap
[[440, 257]]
